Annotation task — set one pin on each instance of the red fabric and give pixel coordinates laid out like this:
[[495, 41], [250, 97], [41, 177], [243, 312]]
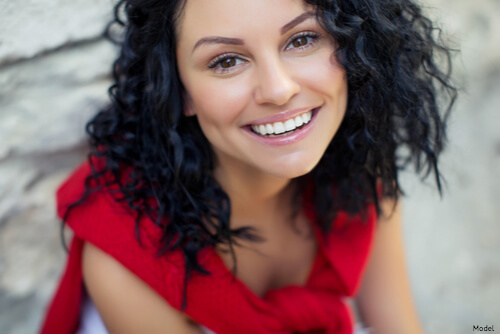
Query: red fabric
[[220, 303]]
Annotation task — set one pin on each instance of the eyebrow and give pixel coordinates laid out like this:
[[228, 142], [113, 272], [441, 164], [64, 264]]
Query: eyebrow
[[296, 21], [218, 40], [238, 41]]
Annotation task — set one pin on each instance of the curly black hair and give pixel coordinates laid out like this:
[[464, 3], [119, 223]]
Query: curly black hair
[[400, 94]]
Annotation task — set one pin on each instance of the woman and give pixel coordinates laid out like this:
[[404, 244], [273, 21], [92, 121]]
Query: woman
[[260, 136]]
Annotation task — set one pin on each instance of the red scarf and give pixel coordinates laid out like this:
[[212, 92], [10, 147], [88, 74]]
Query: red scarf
[[216, 301]]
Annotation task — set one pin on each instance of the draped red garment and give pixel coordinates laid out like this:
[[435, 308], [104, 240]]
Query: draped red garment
[[224, 305]]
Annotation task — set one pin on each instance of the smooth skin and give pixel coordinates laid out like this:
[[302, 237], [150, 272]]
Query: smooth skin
[[277, 65], [279, 59], [125, 303]]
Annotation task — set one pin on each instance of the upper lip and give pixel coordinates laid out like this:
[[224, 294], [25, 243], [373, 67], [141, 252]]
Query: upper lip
[[281, 116]]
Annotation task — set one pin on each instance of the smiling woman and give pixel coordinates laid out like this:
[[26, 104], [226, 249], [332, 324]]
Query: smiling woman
[[260, 136], [238, 72]]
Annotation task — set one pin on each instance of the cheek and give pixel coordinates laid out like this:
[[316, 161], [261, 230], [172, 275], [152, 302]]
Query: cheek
[[322, 74], [220, 101]]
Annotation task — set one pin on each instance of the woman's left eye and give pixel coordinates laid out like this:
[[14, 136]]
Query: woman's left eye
[[225, 63], [302, 41]]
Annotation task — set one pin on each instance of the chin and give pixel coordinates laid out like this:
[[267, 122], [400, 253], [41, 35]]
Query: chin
[[293, 169]]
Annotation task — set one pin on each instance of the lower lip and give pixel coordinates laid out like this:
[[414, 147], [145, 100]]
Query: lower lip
[[288, 139]]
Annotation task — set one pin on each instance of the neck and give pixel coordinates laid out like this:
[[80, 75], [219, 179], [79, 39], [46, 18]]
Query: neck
[[256, 197]]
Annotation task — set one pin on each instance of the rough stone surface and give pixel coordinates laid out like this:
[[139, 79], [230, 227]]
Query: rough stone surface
[[31, 253], [54, 73], [29, 27], [50, 99]]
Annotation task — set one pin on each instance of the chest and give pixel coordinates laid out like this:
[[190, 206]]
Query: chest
[[286, 258]]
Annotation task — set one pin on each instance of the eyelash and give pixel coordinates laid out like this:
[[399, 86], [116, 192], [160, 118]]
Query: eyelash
[[308, 34], [214, 64]]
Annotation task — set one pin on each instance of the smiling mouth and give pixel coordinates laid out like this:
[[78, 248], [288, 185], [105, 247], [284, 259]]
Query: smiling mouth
[[280, 129]]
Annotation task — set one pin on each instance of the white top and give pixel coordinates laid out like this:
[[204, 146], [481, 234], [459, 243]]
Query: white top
[[91, 322]]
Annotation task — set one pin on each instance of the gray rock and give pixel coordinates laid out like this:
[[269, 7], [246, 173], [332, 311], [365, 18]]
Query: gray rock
[[31, 249], [45, 103], [19, 315], [29, 27], [20, 176]]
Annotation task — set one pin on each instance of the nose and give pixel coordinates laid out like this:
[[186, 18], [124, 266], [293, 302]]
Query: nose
[[276, 84]]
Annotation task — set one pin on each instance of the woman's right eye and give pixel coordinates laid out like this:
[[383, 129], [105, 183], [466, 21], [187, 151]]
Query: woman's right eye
[[225, 63]]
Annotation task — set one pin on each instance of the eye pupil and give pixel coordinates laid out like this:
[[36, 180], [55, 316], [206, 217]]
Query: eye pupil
[[228, 62], [301, 41]]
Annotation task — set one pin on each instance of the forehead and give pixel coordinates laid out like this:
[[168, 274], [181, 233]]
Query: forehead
[[235, 17]]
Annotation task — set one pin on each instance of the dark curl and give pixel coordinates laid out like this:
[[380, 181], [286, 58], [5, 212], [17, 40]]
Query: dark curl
[[162, 163]]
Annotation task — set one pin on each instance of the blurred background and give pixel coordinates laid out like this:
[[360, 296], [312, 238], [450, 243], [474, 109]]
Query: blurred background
[[54, 74]]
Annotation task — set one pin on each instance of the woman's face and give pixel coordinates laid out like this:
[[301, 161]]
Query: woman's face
[[255, 67]]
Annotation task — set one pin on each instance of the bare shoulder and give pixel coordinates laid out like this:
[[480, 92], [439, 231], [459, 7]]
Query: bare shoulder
[[385, 301], [391, 210], [126, 303]]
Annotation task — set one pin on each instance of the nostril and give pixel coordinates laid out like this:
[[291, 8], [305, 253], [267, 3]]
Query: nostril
[[276, 86]]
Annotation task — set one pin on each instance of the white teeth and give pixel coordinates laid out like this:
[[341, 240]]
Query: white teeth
[[290, 125], [281, 127], [298, 121], [305, 119], [262, 129], [278, 128], [269, 129], [309, 116]]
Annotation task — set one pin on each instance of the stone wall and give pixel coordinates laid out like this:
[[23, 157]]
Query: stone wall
[[54, 74]]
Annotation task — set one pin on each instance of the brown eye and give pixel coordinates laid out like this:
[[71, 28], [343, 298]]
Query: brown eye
[[303, 41], [228, 62], [300, 41]]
